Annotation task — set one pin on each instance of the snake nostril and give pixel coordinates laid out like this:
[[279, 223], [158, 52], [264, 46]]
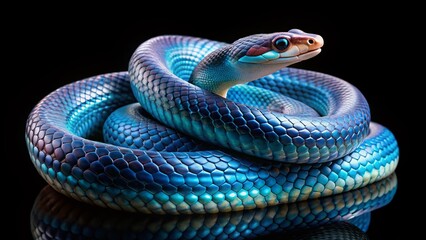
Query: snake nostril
[[311, 41]]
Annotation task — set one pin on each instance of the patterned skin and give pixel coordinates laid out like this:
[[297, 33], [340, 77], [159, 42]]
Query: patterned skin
[[342, 216], [344, 121], [344, 150]]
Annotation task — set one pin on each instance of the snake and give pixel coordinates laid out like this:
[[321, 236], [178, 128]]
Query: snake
[[342, 216], [213, 129]]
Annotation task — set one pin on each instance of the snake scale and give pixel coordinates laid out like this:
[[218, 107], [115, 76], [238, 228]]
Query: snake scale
[[342, 216], [223, 113]]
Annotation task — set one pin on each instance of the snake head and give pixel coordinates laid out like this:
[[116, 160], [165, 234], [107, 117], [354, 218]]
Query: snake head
[[253, 57], [282, 48]]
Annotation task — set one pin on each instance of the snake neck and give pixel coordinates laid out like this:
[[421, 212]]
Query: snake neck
[[216, 72], [219, 71]]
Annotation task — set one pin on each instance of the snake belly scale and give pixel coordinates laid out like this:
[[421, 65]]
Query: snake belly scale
[[282, 157]]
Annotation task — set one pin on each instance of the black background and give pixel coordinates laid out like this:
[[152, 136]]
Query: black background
[[53, 48]]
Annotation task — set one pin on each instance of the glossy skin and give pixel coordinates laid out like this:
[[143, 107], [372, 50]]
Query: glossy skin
[[347, 150], [258, 132], [342, 216]]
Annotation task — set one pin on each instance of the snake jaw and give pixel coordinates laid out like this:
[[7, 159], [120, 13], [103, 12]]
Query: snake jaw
[[294, 59], [273, 57], [309, 54]]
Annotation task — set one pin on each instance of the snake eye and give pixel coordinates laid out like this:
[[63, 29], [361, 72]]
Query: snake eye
[[281, 43]]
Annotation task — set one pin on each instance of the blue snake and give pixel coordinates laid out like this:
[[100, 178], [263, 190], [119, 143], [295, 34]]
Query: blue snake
[[234, 142]]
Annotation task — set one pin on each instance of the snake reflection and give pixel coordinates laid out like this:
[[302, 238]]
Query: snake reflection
[[342, 216]]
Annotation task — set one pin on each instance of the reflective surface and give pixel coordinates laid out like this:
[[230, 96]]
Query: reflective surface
[[343, 216]]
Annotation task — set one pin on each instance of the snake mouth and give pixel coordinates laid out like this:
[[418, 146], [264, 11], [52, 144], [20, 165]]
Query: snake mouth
[[294, 59], [309, 54], [272, 57]]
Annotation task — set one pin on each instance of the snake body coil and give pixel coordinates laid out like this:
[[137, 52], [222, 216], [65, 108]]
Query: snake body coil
[[283, 157]]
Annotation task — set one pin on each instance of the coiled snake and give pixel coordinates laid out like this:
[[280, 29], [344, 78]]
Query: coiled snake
[[270, 149]]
